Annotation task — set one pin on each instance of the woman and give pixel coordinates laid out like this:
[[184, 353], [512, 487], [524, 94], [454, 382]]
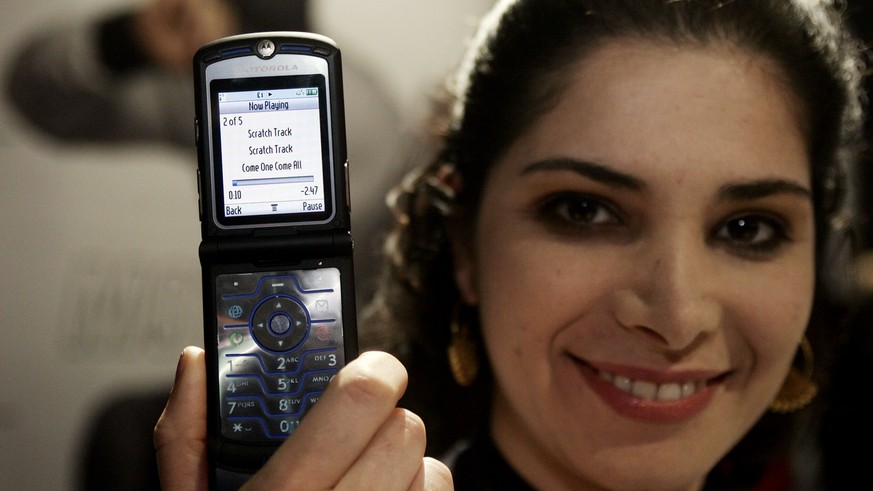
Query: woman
[[622, 245]]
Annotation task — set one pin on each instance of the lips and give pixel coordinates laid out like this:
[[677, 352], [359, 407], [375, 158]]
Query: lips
[[651, 396]]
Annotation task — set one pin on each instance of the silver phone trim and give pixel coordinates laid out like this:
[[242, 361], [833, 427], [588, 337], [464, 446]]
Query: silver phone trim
[[255, 67]]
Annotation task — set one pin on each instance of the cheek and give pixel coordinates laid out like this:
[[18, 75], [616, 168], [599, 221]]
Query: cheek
[[513, 289], [775, 318], [508, 300], [531, 289]]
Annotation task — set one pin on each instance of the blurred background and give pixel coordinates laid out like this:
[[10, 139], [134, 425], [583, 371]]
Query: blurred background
[[99, 276]]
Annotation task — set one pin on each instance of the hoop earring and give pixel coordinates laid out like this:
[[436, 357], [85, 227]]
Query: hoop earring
[[798, 390], [463, 348]]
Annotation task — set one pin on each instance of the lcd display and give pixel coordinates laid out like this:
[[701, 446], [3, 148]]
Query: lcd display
[[271, 136]]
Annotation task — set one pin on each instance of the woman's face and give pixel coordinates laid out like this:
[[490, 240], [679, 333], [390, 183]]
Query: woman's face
[[644, 264]]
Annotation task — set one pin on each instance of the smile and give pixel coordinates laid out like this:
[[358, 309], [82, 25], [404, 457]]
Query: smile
[[650, 395], [653, 391]]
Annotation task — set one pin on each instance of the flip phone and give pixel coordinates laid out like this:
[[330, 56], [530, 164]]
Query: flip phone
[[276, 250]]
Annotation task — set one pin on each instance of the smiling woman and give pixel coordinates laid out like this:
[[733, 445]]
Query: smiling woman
[[603, 279], [641, 294], [626, 228]]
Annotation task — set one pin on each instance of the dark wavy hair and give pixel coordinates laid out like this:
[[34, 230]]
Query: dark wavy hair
[[518, 55]]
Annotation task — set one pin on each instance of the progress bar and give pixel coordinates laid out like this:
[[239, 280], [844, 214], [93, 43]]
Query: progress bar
[[273, 180]]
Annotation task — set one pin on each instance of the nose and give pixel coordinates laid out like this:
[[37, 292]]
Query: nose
[[670, 294]]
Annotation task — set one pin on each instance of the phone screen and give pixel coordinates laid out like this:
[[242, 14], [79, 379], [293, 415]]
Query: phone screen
[[271, 151]]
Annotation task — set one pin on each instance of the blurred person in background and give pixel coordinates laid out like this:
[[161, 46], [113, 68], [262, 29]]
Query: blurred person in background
[[126, 76]]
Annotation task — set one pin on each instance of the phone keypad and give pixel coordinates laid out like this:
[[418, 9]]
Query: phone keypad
[[280, 341]]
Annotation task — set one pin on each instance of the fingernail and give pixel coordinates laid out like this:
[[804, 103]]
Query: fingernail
[[180, 366]]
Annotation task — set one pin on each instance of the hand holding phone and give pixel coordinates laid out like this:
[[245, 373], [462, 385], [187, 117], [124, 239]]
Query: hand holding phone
[[354, 439], [276, 250]]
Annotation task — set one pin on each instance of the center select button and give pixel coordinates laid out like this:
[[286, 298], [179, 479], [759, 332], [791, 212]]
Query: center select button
[[280, 322]]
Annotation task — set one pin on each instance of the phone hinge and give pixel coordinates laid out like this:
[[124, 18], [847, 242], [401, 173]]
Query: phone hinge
[[265, 248]]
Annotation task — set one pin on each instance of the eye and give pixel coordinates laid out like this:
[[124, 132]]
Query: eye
[[753, 234], [578, 211]]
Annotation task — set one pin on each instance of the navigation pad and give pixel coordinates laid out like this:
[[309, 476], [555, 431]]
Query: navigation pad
[[280, 341], [280, 322]]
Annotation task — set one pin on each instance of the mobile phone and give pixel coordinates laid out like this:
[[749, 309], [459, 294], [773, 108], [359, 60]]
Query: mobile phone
[[276, 251]]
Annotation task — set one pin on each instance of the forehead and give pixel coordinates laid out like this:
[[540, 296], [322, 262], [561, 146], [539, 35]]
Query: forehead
[[633, 102]]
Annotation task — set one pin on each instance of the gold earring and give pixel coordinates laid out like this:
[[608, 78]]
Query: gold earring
[[798, 390], [463, 349]]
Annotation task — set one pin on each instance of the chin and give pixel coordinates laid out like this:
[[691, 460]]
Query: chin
[[650, 467], [662, 480]]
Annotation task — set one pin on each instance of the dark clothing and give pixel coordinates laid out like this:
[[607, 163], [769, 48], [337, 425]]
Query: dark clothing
[[480, 467]]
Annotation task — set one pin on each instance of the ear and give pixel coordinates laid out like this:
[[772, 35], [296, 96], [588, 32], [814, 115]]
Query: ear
[[464, 265]]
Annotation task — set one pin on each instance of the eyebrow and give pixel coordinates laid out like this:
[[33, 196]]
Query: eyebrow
[[729, 192], [595, 172], [761, 189]]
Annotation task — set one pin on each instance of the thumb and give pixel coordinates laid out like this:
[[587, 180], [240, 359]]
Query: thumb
[[180, 434]]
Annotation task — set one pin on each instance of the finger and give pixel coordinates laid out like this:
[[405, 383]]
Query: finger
[[433, 475], [338, 429], [393, 457], [180, 434]]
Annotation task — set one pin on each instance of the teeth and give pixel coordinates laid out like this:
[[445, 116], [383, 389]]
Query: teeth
[[623, 383], [644, 390], [652, 391], [669, 392], [689, 388]]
